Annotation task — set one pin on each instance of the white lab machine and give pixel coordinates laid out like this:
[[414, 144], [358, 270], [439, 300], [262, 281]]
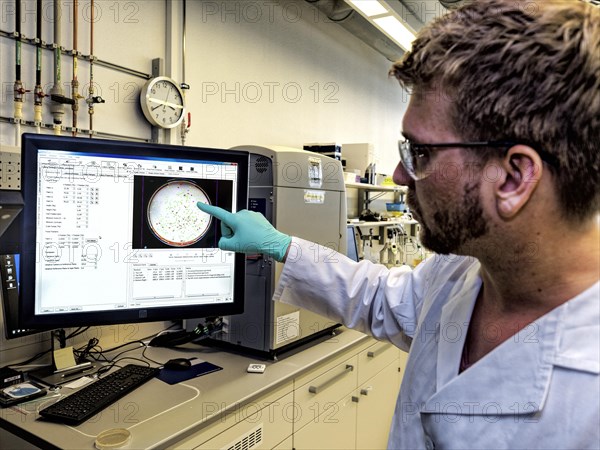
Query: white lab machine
[[302, 194]]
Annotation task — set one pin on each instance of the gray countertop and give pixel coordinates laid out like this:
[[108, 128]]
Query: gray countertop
[[158, 414]]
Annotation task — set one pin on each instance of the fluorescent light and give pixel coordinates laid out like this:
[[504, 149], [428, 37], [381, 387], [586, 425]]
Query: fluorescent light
[[396, 30], [377, 12], [368, 7]]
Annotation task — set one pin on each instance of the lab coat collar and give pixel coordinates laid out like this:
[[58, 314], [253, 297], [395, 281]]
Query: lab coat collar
[[516, 375], [454, 324], [579, 332]]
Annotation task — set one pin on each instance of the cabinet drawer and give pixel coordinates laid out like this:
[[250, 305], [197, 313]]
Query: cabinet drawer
[[262, 430], [374, 359], [276, 407], [376, 404], [316, 396], [333, 430]]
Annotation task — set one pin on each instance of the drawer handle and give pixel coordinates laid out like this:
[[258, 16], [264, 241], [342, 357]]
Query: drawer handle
[[374, 353], [366, 391], [317, 389]]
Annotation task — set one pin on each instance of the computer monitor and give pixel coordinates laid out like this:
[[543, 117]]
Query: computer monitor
[[352, 246], [11, 205], [111, 232], [9, 281]]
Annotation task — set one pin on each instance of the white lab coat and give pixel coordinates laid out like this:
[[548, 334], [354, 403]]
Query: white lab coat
[[539, 389]]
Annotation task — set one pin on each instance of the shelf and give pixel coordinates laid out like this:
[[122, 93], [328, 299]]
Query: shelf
[[372, 187], [382, 223]]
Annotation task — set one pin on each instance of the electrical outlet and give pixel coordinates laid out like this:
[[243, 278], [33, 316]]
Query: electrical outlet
[[10, 167]]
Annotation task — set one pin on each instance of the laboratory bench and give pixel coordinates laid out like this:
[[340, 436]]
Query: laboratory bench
[[338, 393]]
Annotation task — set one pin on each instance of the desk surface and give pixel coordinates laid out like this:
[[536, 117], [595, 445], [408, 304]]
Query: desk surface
[[158, 414]]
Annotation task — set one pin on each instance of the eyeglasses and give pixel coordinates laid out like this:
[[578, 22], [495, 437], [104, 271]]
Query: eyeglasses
[[415, 157]]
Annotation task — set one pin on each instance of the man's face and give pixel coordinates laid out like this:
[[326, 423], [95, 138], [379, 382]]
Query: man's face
[[447, 203]]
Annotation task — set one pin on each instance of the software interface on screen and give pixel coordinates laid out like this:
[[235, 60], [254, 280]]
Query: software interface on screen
[[122, 232]]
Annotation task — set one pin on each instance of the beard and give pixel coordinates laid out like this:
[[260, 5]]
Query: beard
[[454, 225]]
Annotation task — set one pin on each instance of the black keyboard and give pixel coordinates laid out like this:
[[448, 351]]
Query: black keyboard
[[93, 398]]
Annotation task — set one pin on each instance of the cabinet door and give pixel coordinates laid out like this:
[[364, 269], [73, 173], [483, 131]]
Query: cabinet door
[[316, 392], [377, 400], [333, 429], [372, 360], [261, 430], [288, 444]]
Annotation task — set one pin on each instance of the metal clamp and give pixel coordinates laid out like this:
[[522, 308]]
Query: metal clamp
[[316, 389]]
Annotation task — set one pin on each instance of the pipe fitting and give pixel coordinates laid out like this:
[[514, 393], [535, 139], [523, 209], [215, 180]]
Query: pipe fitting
[[18, 111], [38, 95], [56, 107], [19, 91], [37, 113]]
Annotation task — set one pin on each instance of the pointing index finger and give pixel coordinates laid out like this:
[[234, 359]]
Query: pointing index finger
[[219, 213]]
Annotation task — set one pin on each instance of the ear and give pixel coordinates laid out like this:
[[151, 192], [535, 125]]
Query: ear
[[521, 173]]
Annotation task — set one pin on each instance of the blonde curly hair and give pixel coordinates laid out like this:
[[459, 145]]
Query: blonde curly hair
[[521, 70]]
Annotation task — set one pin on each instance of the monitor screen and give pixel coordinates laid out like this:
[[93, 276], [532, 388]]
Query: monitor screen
[[9, 281], [112, 234], [11, 205]]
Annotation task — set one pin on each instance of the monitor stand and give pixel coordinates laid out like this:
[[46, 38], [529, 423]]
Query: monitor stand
[[63, 368]]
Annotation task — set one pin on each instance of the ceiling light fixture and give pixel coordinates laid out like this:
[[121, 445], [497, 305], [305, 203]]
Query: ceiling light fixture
[[396, 30], [368, 7], [386, 20]]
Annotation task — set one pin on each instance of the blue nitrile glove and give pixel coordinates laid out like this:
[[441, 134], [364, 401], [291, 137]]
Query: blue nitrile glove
[[248, 232]]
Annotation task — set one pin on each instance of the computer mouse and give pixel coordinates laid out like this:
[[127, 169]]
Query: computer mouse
[[178, 364]]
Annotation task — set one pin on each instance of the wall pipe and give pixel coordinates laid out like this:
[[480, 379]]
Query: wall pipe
[[19, 90], [18, 43], [92, 100], [49, 126], [38, 93], [74, 81], [187, 121], [97, 61], [56, 93]]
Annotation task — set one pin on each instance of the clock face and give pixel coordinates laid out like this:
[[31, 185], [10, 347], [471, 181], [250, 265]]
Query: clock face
[[162, 102]]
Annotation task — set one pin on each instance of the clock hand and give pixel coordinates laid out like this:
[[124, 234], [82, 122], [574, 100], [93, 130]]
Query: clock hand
[[162, 103]]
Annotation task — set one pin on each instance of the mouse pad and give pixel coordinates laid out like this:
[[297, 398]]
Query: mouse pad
[[171, 376]]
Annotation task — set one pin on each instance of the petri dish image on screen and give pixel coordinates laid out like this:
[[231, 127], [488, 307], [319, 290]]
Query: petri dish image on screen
[[173, 215]]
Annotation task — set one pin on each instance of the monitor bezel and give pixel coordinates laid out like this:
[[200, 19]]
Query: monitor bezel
[[10, 304], [352, 243], [31, 144]]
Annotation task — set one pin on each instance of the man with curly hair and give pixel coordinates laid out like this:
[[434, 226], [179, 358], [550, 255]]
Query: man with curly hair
[[500, 154]]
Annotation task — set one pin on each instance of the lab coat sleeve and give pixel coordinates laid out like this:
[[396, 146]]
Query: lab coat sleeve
[[371, 298]]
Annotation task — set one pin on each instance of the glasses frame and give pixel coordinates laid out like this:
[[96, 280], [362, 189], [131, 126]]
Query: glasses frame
[[410, 151]]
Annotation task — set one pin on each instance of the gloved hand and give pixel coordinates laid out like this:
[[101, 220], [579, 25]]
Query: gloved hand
[[248, 232]]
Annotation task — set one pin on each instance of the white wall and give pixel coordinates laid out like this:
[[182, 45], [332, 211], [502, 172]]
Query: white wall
[[127, 33], [266, 72], [261, 72], [281, 73]]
